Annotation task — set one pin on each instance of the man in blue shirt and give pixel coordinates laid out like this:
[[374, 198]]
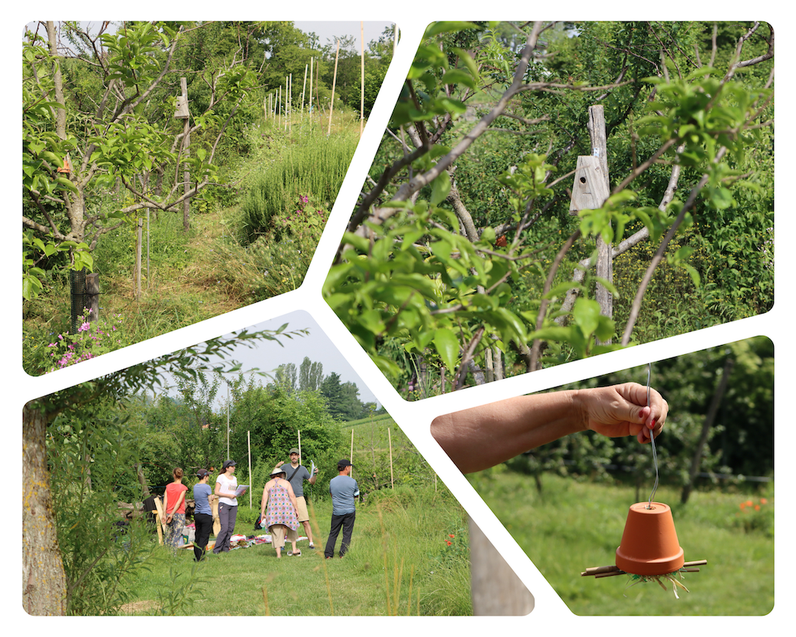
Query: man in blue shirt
[[344, 490]]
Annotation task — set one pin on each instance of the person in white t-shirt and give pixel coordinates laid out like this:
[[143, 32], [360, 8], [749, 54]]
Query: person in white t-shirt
[[226, 485]]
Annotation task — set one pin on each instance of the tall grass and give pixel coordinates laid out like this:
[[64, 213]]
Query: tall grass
[[314, 168]]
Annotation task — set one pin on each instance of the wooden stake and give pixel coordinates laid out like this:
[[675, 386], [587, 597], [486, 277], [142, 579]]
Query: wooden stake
[[362, 63], [309, 101], [249, 442], [389, 439], [334, 81], [604, 261], [186, 176], [138, 242], [303, 87]]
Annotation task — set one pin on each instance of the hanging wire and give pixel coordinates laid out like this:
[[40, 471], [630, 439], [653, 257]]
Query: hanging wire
[[652, 441]]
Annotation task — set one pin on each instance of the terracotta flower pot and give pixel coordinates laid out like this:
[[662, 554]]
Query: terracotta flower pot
[[649, 543]]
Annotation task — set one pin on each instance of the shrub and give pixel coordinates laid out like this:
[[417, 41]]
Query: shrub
[[92, 339]]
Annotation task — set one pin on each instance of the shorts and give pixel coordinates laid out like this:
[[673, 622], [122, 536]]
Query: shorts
[[303, 516]]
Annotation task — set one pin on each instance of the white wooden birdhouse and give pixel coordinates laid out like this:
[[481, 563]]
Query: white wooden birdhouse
[[589, 191], [182, 108]]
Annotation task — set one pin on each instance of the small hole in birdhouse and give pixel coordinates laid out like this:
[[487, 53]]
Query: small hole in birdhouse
[[583, 180]]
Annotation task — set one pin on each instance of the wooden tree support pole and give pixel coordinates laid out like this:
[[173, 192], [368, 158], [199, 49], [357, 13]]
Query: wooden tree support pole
[[334, 82], [362, 74], [186, 205], [604, 262]]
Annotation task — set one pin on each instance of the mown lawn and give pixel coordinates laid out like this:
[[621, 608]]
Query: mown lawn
[[400, 563]]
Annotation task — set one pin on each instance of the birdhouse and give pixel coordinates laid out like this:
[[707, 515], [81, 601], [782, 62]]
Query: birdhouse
[[182, 108], [590, 189], [65, 168]]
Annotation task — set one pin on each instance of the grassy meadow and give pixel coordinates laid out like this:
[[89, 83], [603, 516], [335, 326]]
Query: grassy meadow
[[400, 563], [573, 525]]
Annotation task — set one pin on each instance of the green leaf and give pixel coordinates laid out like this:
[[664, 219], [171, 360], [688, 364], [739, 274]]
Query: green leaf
[[440, 188], [586, 313], [447, 346], [457, 76], [435, 28]]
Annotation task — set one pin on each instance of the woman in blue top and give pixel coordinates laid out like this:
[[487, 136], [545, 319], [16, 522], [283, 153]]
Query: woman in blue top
[[203, 514]]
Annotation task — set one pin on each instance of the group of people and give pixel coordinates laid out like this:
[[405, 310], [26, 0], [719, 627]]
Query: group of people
[[282, 511], [174, 508], [474, 439]]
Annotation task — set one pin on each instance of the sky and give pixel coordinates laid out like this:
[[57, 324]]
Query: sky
[[327, 31], [316, 345]]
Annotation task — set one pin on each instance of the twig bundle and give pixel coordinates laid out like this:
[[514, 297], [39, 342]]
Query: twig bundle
[[612, 570]]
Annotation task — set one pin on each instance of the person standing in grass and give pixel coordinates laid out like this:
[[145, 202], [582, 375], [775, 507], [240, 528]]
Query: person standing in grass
[[203, 513], [174, 509], [296, 474], [344, 490], [278, 511], [226, 486]]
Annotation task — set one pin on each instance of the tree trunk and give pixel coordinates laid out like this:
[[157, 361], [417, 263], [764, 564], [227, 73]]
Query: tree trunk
[[709, 418], [496, 589], [142, 481], [43, 577]]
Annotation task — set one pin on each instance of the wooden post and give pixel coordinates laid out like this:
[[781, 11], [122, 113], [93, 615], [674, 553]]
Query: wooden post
[[604, 261], [309, 101], [334, 81], [362, 74], [184, 114], [159, 521], [251, 486], [303, 88], [389, 441], [139, 240], [299, 445], [148, 279]]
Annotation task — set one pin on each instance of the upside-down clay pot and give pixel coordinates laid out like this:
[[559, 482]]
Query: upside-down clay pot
[[649, 542]]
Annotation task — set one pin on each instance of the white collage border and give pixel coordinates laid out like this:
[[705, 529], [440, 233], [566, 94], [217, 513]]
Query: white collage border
[[412, 16]]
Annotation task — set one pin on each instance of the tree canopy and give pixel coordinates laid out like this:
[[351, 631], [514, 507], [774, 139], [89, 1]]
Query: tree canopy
[[463, 261]]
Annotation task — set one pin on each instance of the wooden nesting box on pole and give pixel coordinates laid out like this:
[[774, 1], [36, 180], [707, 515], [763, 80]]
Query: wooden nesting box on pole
[[183, 113], [589, 192]]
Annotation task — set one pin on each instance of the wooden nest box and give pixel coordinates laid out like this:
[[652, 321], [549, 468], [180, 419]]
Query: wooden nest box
[[590, 189], [182, 108]]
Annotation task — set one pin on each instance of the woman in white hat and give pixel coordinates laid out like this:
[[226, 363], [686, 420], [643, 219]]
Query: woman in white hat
[[280, 501]]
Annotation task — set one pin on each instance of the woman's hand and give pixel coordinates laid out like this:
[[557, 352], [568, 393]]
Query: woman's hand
[[621, 410]]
